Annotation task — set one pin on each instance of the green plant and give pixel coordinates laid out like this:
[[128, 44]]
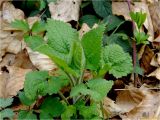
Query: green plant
[[73, 57], [139, 18], [4, 111]]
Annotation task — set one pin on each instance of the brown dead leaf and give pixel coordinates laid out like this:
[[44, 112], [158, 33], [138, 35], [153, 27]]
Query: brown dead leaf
[[65, 10], [146, 59], [11, 81], [121, 9], [138, 103], [128, 99], [22, 60], [155, 73]]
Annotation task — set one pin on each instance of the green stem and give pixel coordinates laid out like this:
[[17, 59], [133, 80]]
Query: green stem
[[101, 105], [117, 28], [63, 97], [80, 97], [72, 81], [81, 78]]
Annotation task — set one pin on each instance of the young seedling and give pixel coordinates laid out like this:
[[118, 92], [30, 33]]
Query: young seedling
[[139, 18]]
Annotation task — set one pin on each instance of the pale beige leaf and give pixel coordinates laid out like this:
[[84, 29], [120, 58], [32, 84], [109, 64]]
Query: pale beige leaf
[[10, 41], [65, 10], [12, 82], [8, 60], [156, 60], [121, 9], [110, 108], [155, 73], [10, 44], [85, 28], [41, 61], [154, 10], [9, 14], [32, 20]]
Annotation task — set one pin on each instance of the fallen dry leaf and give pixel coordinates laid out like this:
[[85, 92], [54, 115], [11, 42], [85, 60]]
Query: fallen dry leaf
[[7, 60], [11, 81], [146, 59], [85, 28], [22, 60], [121, 9], [41, 61], [156, 60], [65, 10], [110, 108], [10, 41], [141, 52], [138, 103], [9, 14], [10, 44], [155, 73], [154, 9], [32, 20]]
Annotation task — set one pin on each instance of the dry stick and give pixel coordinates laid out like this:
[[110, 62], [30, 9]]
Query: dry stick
[[134, 47]]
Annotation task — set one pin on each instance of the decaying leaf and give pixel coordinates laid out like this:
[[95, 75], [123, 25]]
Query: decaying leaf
[[11, 81], [22, 60], [110, 108], [10, 41], [121, 9], [156, 43], [146, 59], [138, 103], [85, 28], [9, 14], [65, 10], [9, 44], [156, 60], [8, 60], [155, 73], [32, 20], [41, 61], [154, 9]]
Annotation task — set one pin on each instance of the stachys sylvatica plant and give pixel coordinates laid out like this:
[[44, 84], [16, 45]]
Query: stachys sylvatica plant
[[83, 99]]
